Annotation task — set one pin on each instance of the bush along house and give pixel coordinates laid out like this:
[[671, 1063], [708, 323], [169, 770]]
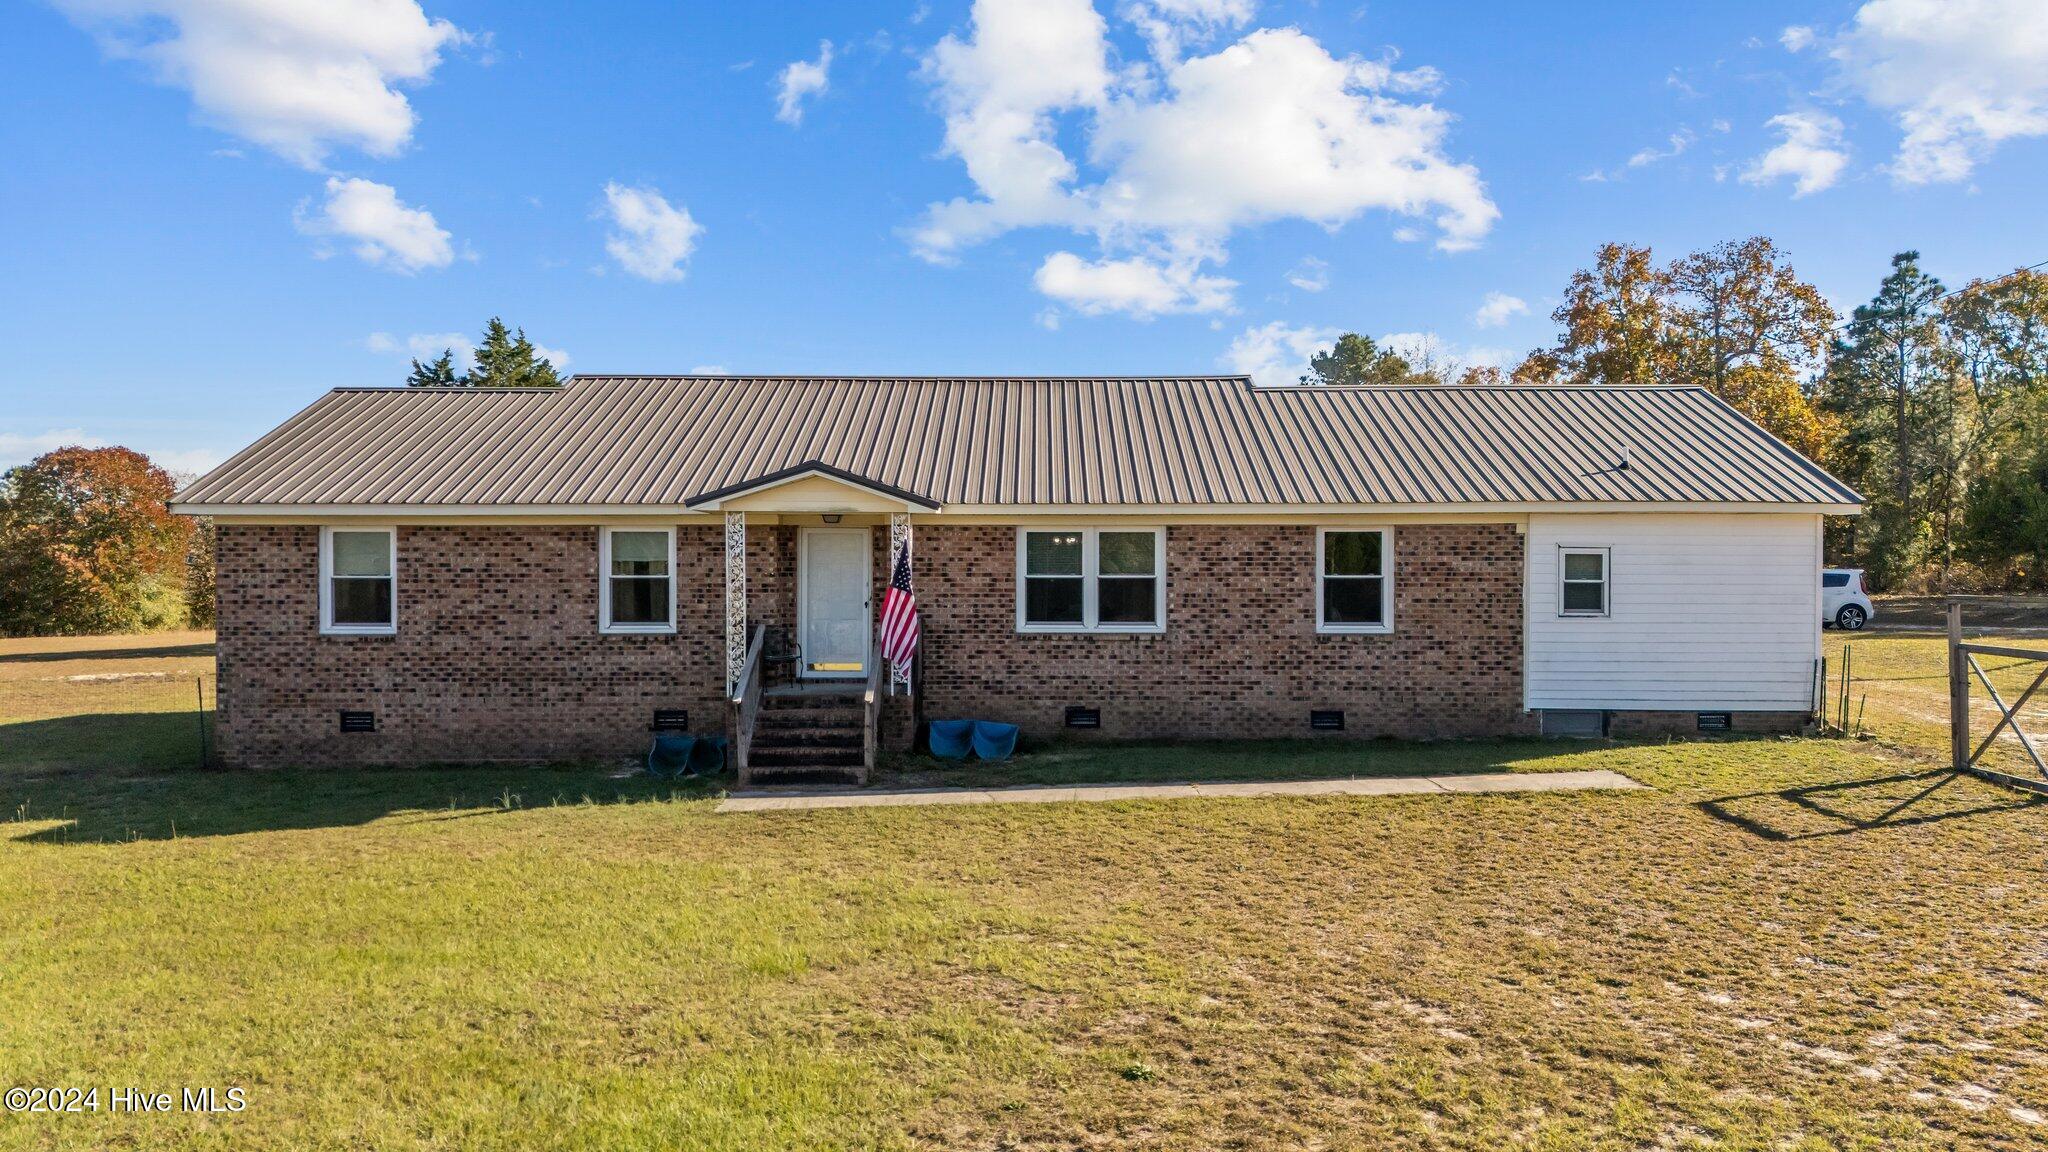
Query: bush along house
[[412, 575]]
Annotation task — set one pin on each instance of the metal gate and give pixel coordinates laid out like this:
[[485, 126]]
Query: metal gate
[[1962, 665]]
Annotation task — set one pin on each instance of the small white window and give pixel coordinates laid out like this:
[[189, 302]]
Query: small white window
[[1091, 580], [1354, 580], [637, 588], [358, 581], [1582, 582]]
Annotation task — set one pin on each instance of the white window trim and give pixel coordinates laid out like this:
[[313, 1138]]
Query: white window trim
[[604, 585], [1324, 627], [1606, 555], [327, 625], [1091, 578]]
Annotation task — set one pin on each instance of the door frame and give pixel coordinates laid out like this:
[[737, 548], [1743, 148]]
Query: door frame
[[803, 599]]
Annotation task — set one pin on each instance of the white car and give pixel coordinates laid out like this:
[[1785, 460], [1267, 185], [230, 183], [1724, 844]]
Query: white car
[[1843, 602]]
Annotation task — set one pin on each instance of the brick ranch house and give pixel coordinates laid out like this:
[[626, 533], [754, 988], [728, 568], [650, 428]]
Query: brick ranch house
[[431, 575]]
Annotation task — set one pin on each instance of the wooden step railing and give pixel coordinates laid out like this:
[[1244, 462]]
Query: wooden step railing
[[745, 705], [871, 711]]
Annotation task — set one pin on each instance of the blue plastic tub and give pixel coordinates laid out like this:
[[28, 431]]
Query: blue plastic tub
[[951, 739], [671, 754], [993, 741], [708, 757]]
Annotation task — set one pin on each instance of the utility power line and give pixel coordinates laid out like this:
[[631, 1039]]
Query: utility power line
[[1973, 286]]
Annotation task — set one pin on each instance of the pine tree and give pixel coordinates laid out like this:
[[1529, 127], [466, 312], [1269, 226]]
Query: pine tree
[[1356, 360], [508, 360], [439, 373]]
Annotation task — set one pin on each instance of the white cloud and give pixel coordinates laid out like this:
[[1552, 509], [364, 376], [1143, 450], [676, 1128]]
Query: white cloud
[[1496, 309], [299, 77], [1139, 286], [710, 370], [193, 462], [1170, 26], [1811, 153], [801, 79], [424, 346], [1311, 275], [652, 239], [428, 346], [387, 232], [20, 448], [1277, 353], [1675, 145], [1960, 77], [1796, 38], [1427, 350], [1181, 152]]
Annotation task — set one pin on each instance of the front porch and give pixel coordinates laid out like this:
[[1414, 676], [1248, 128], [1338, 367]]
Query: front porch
[[805, 676]]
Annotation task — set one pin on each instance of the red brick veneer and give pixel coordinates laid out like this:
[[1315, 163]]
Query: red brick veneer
[[1240, 657], [498, 656]]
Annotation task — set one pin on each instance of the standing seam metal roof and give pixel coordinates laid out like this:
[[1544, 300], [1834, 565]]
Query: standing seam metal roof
[[1017, 441]]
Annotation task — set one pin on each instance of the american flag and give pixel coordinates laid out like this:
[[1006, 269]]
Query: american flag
[[899, 613]]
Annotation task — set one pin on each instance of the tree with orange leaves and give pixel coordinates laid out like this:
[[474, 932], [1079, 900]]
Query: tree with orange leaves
[[85, 534]]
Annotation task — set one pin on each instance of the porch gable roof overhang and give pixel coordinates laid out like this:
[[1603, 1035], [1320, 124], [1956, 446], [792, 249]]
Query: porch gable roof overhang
[[812, 486]]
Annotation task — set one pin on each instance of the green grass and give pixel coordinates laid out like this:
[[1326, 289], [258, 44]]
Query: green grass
[[1080, 763], [1786, 944], [104, 702], [1899, 690]]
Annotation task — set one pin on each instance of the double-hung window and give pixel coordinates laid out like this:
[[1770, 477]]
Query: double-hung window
[[358, 581], [1091, 580], [1354, 580], [638, 590], [1582, 581]]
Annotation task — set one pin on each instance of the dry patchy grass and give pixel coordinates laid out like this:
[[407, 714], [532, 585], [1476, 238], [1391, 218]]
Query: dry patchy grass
[[1787, 944], [1900, 692]]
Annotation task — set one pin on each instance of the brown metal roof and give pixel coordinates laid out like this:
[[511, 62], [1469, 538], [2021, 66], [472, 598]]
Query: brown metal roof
[[662, 440]]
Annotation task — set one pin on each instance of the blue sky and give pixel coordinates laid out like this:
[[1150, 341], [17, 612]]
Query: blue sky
[[214, 214]]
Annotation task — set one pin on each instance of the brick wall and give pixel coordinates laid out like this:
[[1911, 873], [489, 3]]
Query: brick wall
[[498, 656], [1240, 657]]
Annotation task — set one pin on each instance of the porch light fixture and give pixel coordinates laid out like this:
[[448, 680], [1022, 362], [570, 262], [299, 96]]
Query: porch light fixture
[[830, 517]]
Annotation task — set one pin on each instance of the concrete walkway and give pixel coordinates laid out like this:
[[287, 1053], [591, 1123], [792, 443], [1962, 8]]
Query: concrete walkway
[[783, 800]]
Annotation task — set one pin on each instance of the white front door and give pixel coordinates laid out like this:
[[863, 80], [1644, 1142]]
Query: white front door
[[832, 601]]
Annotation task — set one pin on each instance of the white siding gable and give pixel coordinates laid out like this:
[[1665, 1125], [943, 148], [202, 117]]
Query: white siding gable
[[1706, 613]]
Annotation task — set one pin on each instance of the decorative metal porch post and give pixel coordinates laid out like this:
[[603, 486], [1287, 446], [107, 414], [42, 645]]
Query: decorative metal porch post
[[735, 598], [899, 538]]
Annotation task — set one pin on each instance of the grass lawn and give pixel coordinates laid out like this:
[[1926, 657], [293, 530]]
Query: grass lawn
[[1900, 689], [122, 702], [1788, 944]]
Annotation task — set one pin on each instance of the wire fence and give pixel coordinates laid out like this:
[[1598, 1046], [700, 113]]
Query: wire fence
[[118, 721]]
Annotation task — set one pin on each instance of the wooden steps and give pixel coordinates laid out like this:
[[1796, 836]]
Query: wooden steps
[[809, 735]]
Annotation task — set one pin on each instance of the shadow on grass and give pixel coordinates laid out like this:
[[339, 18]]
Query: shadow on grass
[[1849, 807], [109, 741], [1062, 763], [82, 808], [164, 652]]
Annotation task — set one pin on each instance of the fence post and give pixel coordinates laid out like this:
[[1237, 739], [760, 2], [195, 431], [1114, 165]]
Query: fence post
[[1958, 692], [199, 690]]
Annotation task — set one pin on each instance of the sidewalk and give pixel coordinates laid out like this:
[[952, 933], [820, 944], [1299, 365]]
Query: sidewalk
[[783, 800]]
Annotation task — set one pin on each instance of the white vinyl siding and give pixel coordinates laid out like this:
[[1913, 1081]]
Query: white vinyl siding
[[1704, 613]]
